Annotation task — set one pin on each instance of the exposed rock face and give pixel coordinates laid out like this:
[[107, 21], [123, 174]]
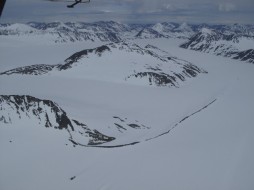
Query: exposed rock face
[[227, 45], [45, 113], [31, 70], [44, 69], [247, 55]]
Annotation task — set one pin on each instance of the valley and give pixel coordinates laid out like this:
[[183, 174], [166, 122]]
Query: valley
[[126, 129]]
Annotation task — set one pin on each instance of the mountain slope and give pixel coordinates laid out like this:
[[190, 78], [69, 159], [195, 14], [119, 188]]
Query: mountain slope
[[236, 46], [145, 66], [18, 110], [27, 113], [166, 30]]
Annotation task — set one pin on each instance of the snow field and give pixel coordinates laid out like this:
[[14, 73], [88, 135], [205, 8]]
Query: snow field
[[209, 150]]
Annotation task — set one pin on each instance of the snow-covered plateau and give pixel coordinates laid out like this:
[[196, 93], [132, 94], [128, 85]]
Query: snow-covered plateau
[[119, 106]]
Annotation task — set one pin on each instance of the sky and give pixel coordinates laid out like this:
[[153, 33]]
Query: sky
[[132, 11]]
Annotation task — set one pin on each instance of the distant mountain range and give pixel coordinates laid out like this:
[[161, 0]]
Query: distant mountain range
[[114, 31], [235, 45], [235, 41]]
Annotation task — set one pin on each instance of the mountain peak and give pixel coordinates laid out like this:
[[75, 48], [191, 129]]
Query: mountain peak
[[158, 27], [206, 31], [184, 27]]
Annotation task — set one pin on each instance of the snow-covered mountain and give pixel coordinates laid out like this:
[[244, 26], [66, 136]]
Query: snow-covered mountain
[[111, 31], [150, 33], [234, 29], [120, 62], [27, 110], [19, 111], [166, 30], [232, 43], [71, 32], [67, 32]]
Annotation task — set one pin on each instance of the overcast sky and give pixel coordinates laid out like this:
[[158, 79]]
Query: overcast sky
[[132, 11]]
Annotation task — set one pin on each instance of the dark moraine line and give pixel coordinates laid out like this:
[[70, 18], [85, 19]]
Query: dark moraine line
[[97, 146], [187, 117]]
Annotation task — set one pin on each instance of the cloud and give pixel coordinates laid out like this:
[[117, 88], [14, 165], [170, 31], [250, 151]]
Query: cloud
[[132, 11], [227, 7]]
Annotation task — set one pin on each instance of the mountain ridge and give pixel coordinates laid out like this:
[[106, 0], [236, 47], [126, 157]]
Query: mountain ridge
[[112, 31], [46, 113], [154, 66], [235, 46]]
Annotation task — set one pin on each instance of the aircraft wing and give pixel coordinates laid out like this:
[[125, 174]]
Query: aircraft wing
[[2, 2]]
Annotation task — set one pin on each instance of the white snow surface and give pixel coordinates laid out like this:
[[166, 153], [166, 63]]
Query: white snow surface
[[184, 27], [158, 27], [206, 31], [211, 149]]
